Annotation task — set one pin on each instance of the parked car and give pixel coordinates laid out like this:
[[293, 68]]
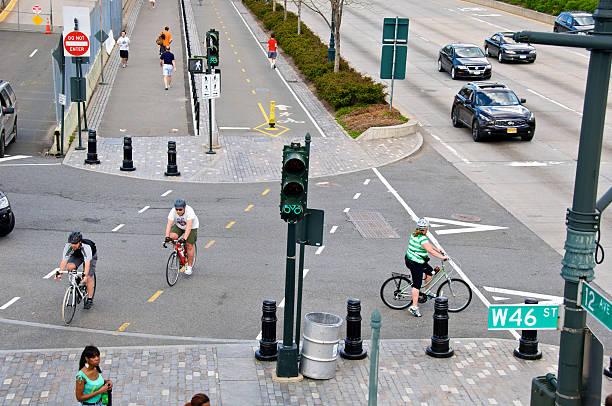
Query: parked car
[[8, 116], [580, 22], [7, 217], [504, 48], [464, 60], [492, 109]]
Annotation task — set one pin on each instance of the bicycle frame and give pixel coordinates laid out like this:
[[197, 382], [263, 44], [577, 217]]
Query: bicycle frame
[[181, 251], [72, 276], [427, 291]]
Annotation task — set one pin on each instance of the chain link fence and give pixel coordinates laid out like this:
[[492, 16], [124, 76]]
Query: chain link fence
[[26, 15]]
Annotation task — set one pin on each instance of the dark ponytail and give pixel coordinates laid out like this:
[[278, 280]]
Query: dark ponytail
[[89, 352], [199, 399]]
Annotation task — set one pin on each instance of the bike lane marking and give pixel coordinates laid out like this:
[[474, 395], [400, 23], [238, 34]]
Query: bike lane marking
[[50, 274], [143, 209], [414, 217], [166, 193], [10, 302], [120, 226], [333, 229]]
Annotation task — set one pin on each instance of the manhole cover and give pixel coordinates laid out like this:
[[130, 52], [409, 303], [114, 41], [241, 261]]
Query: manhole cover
[[466, 217], [90, 220], [371, 224]]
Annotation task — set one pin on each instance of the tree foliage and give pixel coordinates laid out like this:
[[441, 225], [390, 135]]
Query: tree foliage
[[555, 7]]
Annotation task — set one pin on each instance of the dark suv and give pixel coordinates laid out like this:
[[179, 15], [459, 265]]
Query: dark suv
[[502, 46], [7, 218], [580, 22], [464, 60], [8, 116], [492, 109]]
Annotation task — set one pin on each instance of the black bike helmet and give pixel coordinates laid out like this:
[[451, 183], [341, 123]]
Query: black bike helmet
[[179, 203], [75, 237]]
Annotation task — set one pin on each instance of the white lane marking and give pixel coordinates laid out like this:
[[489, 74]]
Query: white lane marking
[[415, 218], [59, 163], [320, 250], [33, 53], [555, 102], [451, 149], [279, 74], [282, 304], [576, 53], [356, 196], [523, 294], [117, 228], [144, 209], [491, 24], [12, 158], [50, 274], [499, 298], [234, 128], [333, 229], [123, 130], [10, 302], [365, 182], [488, 15], [346, 210], [534, 163], [466, 227], [166, 193]]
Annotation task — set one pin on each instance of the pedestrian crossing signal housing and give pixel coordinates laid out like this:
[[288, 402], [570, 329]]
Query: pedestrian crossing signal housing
[[212, 48], [294, 182]]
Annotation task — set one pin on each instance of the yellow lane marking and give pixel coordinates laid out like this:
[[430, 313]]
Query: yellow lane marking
[[239, 61], [253, 91], [123, 326], [244, 70], [235, 52], [229, 39], [263, 112], [230, 224], [248, 80], [249, 207], [265, 192], [271, 131], [155, 296], [211, 242]]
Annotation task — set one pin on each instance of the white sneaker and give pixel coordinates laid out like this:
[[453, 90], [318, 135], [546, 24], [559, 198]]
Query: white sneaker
[[188, 270]]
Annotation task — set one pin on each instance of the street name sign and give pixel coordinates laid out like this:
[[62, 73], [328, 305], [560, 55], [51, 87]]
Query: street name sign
[[524, 317], [595, 304]]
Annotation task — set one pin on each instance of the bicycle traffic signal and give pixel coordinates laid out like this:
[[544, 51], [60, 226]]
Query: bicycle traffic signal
[[212, 48], [294, 182]]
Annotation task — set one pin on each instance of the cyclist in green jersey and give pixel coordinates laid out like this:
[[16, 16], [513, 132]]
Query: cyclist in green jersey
[[417, 256]]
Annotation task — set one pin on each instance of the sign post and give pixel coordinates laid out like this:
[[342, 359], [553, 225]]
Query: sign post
[[524, 317]]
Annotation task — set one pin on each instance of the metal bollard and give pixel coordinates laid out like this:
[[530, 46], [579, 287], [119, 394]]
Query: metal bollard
[[268, 346], [172, 169], [528, 343], [92, 154], [353, 345], [128, 164], [608, 371], [440, 343]]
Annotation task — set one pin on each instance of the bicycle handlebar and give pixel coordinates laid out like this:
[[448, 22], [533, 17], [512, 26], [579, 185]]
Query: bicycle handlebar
[[76, 272]]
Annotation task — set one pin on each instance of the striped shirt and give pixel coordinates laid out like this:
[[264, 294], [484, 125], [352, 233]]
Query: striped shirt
[[415, 251]]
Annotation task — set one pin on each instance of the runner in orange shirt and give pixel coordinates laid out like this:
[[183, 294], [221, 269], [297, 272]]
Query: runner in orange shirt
[[272, 53]]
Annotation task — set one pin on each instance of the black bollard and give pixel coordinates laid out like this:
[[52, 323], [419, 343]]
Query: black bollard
[[608, 371], [268, 346], [92, 154], [528, 343], [353, 346], [128, 164], [440, 343], [172, 169]]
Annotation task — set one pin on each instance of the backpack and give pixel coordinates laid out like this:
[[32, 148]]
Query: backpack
[[160, 39], [91, 244]]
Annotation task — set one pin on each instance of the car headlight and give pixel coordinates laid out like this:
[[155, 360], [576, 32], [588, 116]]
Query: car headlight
[[485, 118], [533, 51], [461, 66], [509, 52], [488, 66], [4, 203]]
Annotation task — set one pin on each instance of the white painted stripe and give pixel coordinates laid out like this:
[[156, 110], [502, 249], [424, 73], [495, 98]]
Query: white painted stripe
[[451, 149], [523, 294], [76, 43], [491, 24], [499, 298], [12, 158], [117, 228], [258, 336], [144, 209], [33, 53], [347, 209], [415, 218], [356, 196], [320, 250], [535, 163], [555, 102], [365, 182], [166, 193], [234, 128], [333, 229], [10, 302], [50, 274], [59, 163], [282, 304], [306, 270]]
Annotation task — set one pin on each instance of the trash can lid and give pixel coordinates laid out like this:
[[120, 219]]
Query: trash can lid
[[327, 319]]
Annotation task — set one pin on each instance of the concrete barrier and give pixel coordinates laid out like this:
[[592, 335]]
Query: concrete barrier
[[394, 131], [510, 8]]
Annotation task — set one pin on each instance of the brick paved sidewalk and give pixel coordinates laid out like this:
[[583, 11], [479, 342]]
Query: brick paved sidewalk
[[482, 372]]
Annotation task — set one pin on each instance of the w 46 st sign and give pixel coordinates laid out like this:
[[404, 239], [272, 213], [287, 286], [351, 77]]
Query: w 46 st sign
[[524, 317]]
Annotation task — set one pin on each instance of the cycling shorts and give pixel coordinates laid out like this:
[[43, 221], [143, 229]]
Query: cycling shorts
[[417, 270], [78, 261]]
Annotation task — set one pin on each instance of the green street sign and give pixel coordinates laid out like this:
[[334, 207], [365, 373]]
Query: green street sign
[[595, 304], [386, 62], [524, 317], [389, 28]]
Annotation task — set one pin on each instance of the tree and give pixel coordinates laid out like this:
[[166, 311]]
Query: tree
[[298, 3]]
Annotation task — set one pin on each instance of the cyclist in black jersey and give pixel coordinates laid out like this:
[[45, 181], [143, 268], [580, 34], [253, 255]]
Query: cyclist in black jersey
[[76, 252]]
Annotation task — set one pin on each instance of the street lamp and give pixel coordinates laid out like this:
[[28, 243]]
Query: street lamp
[[331, 51]]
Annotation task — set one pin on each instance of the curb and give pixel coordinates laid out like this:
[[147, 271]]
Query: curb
[[392, 131]]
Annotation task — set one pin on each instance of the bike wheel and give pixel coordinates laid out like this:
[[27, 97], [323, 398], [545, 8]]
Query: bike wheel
[[458, 293], [396, 292], [195, 255], [69, 305], [172, 268]]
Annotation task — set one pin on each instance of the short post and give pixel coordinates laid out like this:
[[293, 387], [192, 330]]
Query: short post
[[171, 168], [268, 346], [272, 119], [608, 371], [92, 154], [353, 345], [375, 324], [128, 164], [440, 343], [528, 343]]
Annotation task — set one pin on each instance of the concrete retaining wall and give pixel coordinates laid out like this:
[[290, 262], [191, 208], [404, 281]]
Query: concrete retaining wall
[[510, 8], [394, 131]]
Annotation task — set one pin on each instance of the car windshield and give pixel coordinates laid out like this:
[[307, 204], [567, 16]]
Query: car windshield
[[584, 20], [507, 40], [497, 98], [469, 52]]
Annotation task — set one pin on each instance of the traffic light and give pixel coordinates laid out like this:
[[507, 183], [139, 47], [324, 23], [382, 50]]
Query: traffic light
[[294, 182], [212, 48]]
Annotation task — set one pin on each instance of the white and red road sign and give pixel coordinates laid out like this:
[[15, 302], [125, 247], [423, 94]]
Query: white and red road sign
[[76, 43], [37, 9]]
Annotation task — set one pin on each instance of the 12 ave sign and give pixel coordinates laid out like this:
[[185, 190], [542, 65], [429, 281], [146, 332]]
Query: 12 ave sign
[[596, 304], [76, 44], [524, 317]]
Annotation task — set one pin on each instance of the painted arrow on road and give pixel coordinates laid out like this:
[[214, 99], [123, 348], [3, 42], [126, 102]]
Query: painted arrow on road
[[465, 227], [547, 298]]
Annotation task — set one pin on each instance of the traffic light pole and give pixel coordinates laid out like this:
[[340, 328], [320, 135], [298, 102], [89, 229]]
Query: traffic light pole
[[210, 129]]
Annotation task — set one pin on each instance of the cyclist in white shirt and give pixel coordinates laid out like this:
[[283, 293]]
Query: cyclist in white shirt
[[183, 225], [124, 48]]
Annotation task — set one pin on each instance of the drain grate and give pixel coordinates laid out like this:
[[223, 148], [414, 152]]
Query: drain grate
[[371, 224]]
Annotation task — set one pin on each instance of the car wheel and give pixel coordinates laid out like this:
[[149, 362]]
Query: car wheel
[[531, 61], [453, 73], [556, 29], [455, 118], [6, 231], [440, 68], [499, 57], [476, 135], [2, 145], [527, 137]]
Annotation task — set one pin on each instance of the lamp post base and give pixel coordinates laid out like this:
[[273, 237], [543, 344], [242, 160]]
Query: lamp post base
[[287, 365]]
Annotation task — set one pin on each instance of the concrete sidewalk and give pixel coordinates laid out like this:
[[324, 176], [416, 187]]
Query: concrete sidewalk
[[482, 372]]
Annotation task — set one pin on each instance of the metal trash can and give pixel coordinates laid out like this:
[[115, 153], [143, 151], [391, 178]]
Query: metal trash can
[[320, 348]]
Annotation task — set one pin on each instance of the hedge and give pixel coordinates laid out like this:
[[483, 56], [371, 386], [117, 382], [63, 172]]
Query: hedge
[[345, 88], [555, 7]]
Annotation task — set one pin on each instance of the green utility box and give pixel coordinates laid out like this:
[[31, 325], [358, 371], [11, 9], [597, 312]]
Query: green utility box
[[78, 89], [543, 390]]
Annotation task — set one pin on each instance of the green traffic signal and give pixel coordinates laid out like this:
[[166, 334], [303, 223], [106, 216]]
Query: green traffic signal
[[212, 47], [294, 182]]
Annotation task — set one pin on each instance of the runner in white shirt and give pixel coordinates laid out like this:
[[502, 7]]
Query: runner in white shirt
[[124, 47], [183, 225]]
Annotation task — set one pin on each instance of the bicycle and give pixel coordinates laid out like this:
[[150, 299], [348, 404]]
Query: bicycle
[[178, 260], [396, 292], [75, 294]]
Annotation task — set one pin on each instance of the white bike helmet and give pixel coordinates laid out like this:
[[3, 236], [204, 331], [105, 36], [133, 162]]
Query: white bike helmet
[[422, 224]]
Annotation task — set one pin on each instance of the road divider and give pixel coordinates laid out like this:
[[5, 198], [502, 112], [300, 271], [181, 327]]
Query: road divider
[[265, 192], [230, 224], [249, 207]]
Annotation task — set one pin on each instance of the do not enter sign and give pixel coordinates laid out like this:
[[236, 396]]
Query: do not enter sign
[[76, 44]]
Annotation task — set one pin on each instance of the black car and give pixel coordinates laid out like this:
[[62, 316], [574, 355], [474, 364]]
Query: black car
[[464, 61], [492, 109], [504, 48], [7, 217], [580, 22]]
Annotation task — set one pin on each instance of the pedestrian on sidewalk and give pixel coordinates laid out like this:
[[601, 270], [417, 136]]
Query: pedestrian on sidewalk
[[89, 382], [272, 52], [199, 399], [168, 65], [166, 38], [124, 48]]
